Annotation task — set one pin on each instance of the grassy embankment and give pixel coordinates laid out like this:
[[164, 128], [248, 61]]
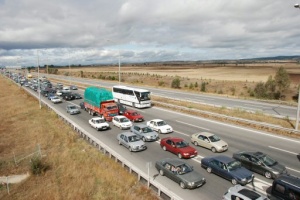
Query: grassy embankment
[[71, 168]]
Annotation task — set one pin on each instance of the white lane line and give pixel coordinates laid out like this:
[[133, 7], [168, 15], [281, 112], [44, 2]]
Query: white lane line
[[192, 125], [252, 105], [182, 133], [283, 150], [293, 169]]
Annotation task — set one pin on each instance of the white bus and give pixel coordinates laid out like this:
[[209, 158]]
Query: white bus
[[139, 98]]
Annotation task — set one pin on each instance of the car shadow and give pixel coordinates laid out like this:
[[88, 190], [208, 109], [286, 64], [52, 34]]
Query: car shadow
[[298, 156], [155, 175]]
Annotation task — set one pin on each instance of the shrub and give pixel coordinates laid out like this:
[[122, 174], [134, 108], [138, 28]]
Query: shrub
[[203, 87], [37, 166], [161, 83], [175, 83]]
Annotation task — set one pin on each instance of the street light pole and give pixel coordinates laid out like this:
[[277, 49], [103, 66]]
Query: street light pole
[[39, 88]]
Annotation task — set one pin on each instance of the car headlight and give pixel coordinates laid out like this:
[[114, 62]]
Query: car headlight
[[191, 183]]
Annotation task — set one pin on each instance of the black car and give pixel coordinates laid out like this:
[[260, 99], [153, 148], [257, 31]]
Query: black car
[[77, 96], [82, 105], [68, 96], [121, 108], [180, 172], [260, 163]]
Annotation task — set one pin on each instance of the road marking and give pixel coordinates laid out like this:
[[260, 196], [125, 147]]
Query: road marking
[[182, 133], [254, 105], [283, 150], [192, 125], [293, 169]]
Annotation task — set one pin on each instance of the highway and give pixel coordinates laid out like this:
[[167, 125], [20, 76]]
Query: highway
[[273, 109], [283, 149]]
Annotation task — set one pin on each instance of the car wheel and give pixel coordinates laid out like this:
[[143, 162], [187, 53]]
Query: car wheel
[[143, 138], [161, 172], [182, 185], [179, 155], [233, 181], [213, 149], [120, 127], [130, 149], [195, 143], [164, 148], [159, 131], [208, 170], [268, 175], [119, 142]]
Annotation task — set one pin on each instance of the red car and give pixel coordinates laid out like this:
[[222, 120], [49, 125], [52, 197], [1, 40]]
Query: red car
[[178, 146], [133, 116]]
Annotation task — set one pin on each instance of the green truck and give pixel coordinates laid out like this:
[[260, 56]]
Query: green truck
[[99, 101]]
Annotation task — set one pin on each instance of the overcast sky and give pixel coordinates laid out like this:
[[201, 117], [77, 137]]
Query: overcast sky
[[98, 31]]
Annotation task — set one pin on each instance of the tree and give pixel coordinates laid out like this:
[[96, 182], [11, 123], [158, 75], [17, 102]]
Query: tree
[[282, 79], [260, 90]]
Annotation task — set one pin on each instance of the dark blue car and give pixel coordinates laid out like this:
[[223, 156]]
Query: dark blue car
[[227, 168]]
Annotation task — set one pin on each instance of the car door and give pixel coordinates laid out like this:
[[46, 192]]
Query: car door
[[137, 130], [93, 123], [245, 160], [169, 145], [203, 141], [125, 141], [256, 165]]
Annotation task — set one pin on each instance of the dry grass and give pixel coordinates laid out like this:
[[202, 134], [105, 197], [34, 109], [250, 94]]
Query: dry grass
[[75, 170]]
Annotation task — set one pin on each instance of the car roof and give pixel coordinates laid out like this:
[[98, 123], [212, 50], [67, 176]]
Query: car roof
[[245, 192], [207, 134], [156, 120], [141, 125], [128, 134], [173, 161], [175, 139], [222, 158], [97, 118], [290, 180], [120, 116]]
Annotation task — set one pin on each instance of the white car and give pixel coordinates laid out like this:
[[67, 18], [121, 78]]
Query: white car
[[122, 122], [160, 126], [59, 92], [56, 99], [99, 123]]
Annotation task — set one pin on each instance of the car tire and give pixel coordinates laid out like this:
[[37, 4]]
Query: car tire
[[119, 142], [182, 185], [268, 175], [164, 148], [213, 149], [143, 138], [161, 172], [130, 149], [196, 143], [208, 169], [159, 131], [179, 155], [233, 181]]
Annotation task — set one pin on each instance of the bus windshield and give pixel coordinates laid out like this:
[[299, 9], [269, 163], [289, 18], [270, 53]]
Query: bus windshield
[[145, 96]]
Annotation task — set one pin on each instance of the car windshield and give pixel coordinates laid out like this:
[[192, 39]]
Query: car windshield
[[72, 107], [133, 138], [98, 121], [124, 120], [267, 160], [161, 123], [233, 165], [182, 144], [214, 138], [146, 130]]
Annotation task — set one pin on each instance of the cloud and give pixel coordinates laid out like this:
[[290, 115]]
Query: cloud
[[165, 29]]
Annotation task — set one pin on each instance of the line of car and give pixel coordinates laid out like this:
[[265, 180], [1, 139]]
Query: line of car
[[235, 169]]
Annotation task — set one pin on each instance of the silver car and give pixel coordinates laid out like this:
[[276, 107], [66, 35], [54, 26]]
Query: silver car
[[209, 141], [131, 141], [144, 132], [241, 192], [72, 109]]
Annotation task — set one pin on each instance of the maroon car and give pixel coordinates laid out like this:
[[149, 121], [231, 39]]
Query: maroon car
[[178, 146], [133, 116]]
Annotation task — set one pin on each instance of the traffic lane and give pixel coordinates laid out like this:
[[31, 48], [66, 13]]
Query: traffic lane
[[238, 138]]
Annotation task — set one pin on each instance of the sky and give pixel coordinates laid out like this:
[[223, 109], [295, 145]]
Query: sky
[[72, 32]]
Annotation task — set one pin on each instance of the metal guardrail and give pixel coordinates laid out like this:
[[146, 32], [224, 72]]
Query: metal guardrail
[[232, 118], [265, 125], [161, 190]]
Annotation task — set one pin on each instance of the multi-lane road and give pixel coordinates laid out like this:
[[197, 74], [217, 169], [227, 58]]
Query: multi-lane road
[[273, 109], [283, 149]]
